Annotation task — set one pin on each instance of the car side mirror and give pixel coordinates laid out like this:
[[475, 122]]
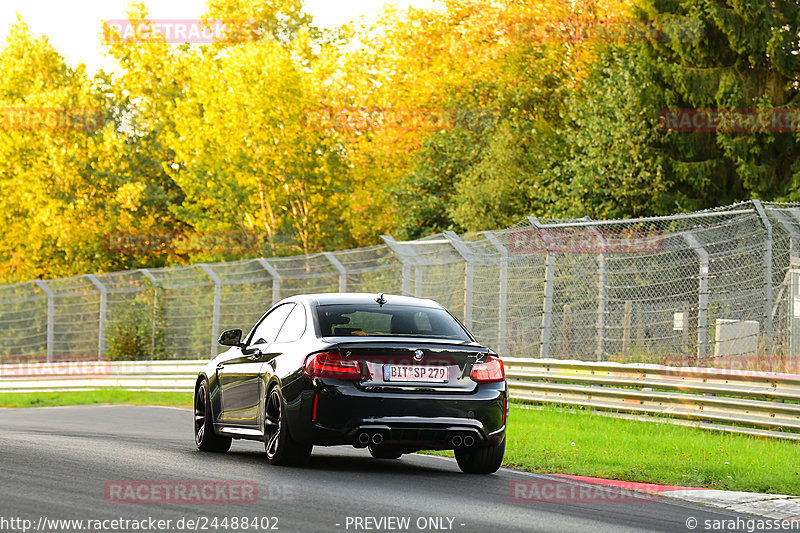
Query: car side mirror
[[231, 337]]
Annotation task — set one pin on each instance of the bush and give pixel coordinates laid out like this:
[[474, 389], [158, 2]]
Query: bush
[[137, 331]]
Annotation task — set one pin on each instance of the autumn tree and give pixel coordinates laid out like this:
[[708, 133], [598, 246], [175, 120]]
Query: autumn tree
[[626, 160], [52, 200]]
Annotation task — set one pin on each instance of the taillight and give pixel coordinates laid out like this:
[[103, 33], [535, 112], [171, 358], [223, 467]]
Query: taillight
[[331, 365], [491, 370]]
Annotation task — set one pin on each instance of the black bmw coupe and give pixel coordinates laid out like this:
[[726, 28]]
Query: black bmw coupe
[[391, 373]]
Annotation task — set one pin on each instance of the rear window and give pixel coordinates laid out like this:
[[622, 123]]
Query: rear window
[[353, 320]]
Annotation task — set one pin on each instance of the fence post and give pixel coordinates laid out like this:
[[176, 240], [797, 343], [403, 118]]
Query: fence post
[[784, 221], [101, 330], [149, 275], [702, 299], [409, 258], [469, 279], [51, 311], [503, 318], [340, 267], [768, 297], [217, 300], [549, 290], [602, 295], [276, 279]]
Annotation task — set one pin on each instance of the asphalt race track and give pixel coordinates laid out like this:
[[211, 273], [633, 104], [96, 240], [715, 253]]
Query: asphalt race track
[[56, 463]]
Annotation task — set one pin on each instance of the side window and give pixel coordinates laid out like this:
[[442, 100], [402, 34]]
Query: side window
[[294, 326], [266, 331]]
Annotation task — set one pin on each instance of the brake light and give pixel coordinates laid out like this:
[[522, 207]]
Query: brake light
[[331, 365], [491, 370]]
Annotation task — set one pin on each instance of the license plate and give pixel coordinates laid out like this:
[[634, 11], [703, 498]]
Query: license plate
[[427, 374]]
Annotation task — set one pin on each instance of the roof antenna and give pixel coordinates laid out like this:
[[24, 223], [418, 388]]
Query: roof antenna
[[381, 300]]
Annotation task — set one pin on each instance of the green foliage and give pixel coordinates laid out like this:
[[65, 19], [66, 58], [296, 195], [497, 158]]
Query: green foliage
[[137, 331], [508, 180], [615, 165], [748, 57]]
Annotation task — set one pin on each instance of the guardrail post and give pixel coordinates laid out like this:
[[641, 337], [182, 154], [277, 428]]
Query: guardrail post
[[767, 267], [101, 330], [276, 279], [409, 258], [217, 300], [549, 290], [469, 273], [51, 311], [340, 267], [503, 312], [702, 299]]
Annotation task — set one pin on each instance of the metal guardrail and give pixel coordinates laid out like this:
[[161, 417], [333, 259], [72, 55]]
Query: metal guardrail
[[161, 376], [758, 403]]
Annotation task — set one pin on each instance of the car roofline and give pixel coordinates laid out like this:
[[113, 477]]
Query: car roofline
[[334, 298]]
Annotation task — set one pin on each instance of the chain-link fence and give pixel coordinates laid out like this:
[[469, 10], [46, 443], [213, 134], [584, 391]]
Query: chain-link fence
[[713, 288]]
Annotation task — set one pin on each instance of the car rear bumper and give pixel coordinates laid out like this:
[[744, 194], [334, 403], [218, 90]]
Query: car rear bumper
[[338, 412]]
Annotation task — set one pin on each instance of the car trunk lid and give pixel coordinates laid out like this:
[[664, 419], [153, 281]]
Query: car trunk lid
[[424, 365]]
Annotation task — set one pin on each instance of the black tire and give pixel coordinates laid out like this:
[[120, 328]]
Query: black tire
[[205, 437], [385, 452], [281, 448], [481, 460]]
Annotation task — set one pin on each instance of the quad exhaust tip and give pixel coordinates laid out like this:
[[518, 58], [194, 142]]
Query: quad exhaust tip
[[469, 440], [456, 440], [363, 438], [377, 438]]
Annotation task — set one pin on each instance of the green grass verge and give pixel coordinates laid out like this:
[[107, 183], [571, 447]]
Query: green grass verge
[[107, 396], [584, 443]]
